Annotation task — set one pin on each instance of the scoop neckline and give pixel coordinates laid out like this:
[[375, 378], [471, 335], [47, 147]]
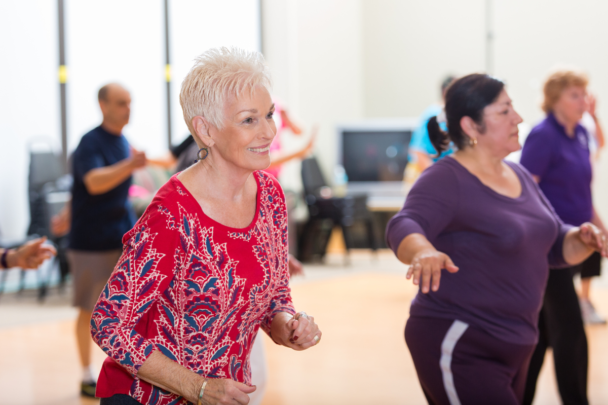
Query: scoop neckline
[[256, 176], [519, 199]]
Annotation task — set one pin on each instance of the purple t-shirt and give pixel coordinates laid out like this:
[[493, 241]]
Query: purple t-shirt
[[564, 168], [503, 247]]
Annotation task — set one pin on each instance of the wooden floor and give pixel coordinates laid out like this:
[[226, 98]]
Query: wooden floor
[[361, 360]]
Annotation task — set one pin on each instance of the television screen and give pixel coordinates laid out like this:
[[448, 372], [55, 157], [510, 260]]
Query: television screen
[[375, 155]]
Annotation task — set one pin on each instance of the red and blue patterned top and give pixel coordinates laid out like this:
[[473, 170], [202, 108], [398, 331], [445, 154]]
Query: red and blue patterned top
[[194, 289]]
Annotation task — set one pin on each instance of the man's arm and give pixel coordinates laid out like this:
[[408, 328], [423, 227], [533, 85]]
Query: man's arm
[[424, 161], [599, 133], [104, 179], [28, 256], [301, 154]]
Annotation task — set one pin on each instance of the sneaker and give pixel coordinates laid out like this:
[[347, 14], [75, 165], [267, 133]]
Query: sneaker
[[590, 316], [87, 389]]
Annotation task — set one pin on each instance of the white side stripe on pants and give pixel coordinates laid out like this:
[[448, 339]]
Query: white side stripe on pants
[[447, 348]]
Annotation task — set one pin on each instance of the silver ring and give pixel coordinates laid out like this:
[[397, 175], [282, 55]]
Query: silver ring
[[316, 339], [302, 315]]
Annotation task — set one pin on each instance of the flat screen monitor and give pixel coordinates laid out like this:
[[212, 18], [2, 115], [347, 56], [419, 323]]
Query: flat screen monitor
[[379, 154]]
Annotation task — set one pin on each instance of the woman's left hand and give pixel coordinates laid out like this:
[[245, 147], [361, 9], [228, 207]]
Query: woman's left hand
[[299, 332], [591, 236]]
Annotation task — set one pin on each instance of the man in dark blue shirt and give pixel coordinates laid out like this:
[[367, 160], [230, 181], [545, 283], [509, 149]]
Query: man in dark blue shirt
[[101, 214]]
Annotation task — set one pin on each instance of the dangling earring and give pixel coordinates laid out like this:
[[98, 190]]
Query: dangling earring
[[473, 141], [198, 155]]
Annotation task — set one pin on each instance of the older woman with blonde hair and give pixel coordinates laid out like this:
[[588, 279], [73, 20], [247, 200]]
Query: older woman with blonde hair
[[557, 155], [206, 265]]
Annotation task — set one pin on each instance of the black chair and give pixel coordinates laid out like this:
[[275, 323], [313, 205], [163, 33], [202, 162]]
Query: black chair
[[46, 177], [56, 195], [45, 168], [325, 212], [49, 190]]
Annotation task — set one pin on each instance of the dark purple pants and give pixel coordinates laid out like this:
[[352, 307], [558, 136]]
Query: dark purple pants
[[458, 364]]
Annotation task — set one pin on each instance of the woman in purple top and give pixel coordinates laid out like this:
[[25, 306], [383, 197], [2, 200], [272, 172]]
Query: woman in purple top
[[557, 155], [486, 222]]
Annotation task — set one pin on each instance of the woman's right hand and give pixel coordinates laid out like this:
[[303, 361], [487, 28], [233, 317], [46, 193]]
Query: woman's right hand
[[31, 254], [60, 223], [226, 392], [427, 264]]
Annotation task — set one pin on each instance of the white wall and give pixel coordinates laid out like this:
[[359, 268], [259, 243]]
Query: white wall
[[409, 46], [533, 37], [314, 50], [197, 25]]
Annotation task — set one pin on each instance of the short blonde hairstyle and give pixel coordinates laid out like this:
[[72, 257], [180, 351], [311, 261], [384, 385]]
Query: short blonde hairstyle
[[557, 82], [216, 74]]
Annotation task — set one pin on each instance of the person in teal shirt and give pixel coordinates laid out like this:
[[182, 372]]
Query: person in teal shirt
[[421, 148]]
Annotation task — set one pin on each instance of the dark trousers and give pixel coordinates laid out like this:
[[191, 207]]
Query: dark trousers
[[561, 327], [119, 399], [459, 364]]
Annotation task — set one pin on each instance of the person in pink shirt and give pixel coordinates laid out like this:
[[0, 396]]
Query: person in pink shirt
[[277, 160]]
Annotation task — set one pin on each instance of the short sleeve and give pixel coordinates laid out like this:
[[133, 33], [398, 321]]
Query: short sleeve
[[537, 152], [429, 207], [143, 272], [87, 157]]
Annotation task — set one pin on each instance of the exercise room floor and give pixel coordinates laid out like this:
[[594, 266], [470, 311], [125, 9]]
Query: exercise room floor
[[361, 308]]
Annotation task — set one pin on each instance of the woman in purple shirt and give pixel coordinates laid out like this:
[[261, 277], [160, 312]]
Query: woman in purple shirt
[[488, 225], [557, 155]]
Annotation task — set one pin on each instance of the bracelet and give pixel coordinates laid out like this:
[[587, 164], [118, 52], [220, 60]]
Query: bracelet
[[202, 392], [3, 262]]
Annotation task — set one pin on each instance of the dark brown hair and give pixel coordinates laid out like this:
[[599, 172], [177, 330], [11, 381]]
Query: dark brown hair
[[465, 97]]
